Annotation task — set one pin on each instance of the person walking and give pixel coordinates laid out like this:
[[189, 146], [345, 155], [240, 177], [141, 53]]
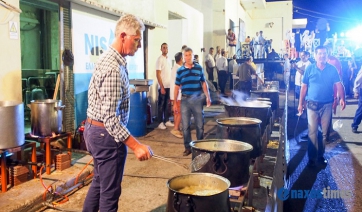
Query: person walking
[[222, 68], [105, 133], [357, 89], [194, 89], [300, 67], [163, 74], [317, 90], [176, 100]]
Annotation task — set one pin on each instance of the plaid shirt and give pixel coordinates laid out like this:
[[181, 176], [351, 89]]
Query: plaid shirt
[[109, 95]]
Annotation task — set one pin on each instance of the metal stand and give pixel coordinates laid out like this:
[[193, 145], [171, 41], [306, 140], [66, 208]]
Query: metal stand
[[45, 142], [246, 191], [18, 150]]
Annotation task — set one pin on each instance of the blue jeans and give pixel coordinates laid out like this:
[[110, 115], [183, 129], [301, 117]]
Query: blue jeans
[[109, 158], [358, 116], [192, 105], [320, 117], [163, 101]]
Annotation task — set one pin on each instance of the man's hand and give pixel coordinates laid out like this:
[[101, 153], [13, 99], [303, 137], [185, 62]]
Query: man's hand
[[143, 152], [300, 109], [163, 91], [355, 95], [174, 107], [208, 102], [342, 103]]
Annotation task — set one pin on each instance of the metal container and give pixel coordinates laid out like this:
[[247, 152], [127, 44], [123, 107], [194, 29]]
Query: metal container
[[253, 110], [179, 201], [243, 129], [229, 158], [11, 124], [272, 94], [46, 117]]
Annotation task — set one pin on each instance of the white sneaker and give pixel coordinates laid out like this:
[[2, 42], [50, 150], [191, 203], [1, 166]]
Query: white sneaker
[[162, 126], [169, 124]]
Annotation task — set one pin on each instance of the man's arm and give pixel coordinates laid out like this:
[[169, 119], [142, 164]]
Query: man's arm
[[175, 92], [159, 79], [141, 151], [205, 88], [340, 92], [303, 93]]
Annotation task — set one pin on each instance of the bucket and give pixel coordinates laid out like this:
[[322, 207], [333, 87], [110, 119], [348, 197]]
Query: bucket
[[243, 129], [137, 123], [11, 124]]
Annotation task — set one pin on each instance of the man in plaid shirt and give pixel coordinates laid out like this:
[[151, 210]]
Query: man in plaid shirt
[[105, 134]]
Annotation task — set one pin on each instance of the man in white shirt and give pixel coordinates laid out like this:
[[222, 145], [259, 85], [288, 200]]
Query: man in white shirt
[[222, 68], [210, 64], [176, 113], [300, 67], [231, 64], [163, 74]]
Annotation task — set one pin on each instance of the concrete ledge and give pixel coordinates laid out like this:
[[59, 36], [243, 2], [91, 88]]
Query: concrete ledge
[[29, 195]]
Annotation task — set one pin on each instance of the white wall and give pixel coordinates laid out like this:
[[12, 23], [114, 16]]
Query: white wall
[[281, 13], [191, 28], [10, 56]]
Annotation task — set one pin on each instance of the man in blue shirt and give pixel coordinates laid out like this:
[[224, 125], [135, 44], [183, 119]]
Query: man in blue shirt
[[194, 89], [317, 91]]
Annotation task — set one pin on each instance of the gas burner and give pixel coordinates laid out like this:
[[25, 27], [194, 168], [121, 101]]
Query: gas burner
[[237, 188]]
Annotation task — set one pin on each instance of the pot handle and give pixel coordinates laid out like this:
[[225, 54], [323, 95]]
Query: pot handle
[[217, 163], [59, 107]]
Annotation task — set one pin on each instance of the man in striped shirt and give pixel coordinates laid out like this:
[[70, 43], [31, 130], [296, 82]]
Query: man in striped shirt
[[194, 89], [106, 135]]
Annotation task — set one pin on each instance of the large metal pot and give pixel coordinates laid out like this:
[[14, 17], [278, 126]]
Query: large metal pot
[[252, 110], [46, 117], [228, 158], [243, 129], [181, 201], [11, 124]]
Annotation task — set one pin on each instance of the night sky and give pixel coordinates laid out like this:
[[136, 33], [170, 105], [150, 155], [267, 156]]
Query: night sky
[[342, 15]]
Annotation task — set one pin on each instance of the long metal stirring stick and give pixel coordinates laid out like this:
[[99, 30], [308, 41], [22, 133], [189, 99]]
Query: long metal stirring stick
[[170, 161]]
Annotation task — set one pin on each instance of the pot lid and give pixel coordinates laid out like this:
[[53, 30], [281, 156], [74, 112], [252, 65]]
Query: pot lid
[[221, 145], [253, 104], [238, 121], [44, 101]]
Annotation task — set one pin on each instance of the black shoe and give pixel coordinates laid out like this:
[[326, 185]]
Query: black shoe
[[323, 161], [311, 163], [354, 130], [186, 152]]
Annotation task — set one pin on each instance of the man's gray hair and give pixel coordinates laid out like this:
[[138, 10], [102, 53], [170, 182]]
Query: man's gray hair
[[129, 24], [188, 49]]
